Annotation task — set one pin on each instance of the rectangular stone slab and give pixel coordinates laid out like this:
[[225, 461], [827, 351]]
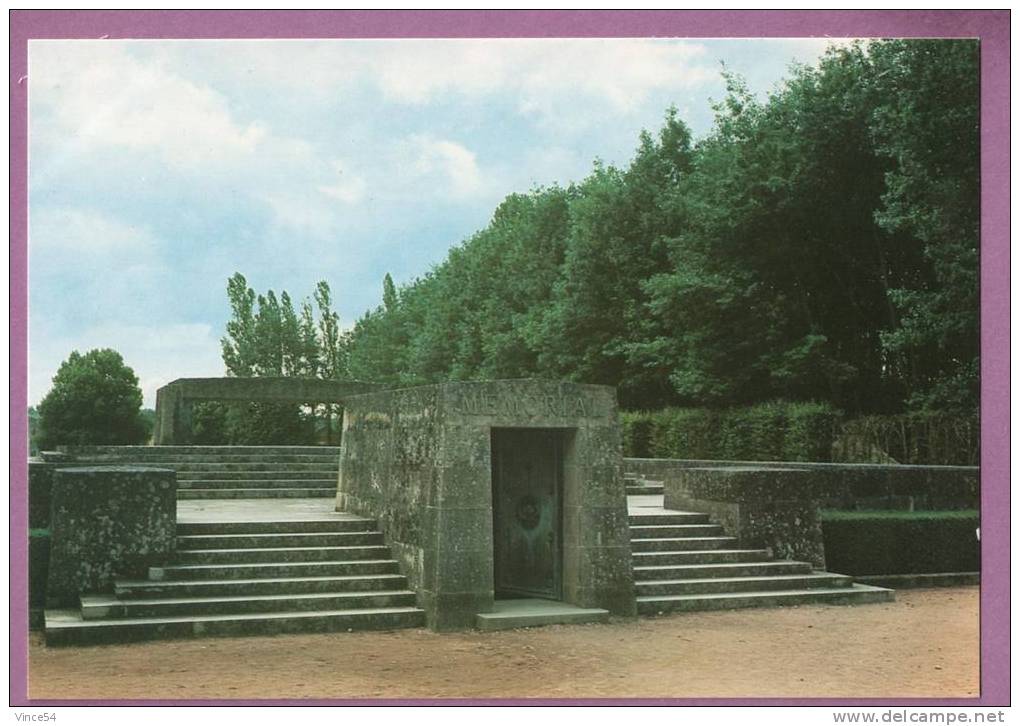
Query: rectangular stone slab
[[532, 612]]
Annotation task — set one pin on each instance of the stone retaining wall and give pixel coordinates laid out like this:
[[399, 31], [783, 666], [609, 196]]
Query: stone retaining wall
[[853, 486]]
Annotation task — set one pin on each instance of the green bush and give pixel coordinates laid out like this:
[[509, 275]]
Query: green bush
[[637, 433], [809, 432], [267, 424], [773, 431], [901, 543]]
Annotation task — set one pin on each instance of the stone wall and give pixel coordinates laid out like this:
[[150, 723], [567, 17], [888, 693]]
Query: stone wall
[[419, 460], [853, 486], [390, 468], [764, 508], [107, 522]]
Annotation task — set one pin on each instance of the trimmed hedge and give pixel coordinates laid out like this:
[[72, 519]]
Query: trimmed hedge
[[774, 431], [901, 543]]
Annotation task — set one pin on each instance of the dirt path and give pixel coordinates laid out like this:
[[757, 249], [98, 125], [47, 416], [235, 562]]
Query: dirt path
[[924, 644]]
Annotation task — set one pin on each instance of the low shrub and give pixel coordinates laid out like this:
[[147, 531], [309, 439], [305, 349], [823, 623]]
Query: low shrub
[[900, 543]]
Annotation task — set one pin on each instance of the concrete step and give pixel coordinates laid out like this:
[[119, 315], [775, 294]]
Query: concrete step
[[193, 484], [277, 474], [662, 531], [263, 541], [95, 607], [143, 450], [273, 554], [674, 544], [67, 627], [671, 518], [280, 527], [722, 569], [533, 612], [384, 575], [223, 466], [292, 493], [694, 557], [700, 586], [854, 595], [175, 459], [247, 571]]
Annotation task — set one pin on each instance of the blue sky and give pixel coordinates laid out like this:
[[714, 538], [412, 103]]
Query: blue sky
[[159, 168]]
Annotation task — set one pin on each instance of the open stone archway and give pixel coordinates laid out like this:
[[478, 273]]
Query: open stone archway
[[174, 401]]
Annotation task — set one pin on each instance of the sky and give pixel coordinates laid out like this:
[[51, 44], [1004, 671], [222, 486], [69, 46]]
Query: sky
[[160, 168]]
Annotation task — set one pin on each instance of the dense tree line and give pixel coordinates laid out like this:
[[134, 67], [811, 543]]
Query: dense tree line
[[821, 244]]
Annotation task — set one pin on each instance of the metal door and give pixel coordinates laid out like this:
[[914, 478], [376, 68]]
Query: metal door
[[526, 483]]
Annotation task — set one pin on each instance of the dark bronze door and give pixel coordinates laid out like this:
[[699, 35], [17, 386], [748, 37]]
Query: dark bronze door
[[527, 471]]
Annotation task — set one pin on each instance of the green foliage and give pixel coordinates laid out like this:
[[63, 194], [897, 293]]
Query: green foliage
[[33, 431], [772, 431], [637, 433], [818, 245], [209, 425], [930, 127], [896, 543], [689, 433], [265, 424], [95, 399], [913, 438], [809, 432], [269, 336]]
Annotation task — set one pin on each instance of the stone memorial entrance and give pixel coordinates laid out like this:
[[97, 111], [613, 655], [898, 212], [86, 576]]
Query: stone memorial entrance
[[494, 490], [527, 485]]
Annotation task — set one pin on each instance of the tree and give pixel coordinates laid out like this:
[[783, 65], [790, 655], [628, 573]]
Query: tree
[[268, 336], [930, 126], [95, 399]]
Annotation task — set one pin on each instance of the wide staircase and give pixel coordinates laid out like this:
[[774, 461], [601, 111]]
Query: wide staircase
[[235, 472], [332, 573], [684, 562]]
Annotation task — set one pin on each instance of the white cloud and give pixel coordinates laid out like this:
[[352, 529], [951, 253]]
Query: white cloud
[[87, 234], [618, 73], [446, 162], [96, 98], [349, 188], [542, 73], [104, 97]]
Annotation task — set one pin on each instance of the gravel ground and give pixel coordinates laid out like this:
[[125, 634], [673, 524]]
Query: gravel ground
[[923, 645]]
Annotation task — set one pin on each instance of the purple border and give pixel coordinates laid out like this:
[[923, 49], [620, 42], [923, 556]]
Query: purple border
[[991, 26]]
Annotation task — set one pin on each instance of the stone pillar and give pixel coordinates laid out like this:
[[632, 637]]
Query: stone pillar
[[764, 508], [458, 533], [107, 522], [596, 538]]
